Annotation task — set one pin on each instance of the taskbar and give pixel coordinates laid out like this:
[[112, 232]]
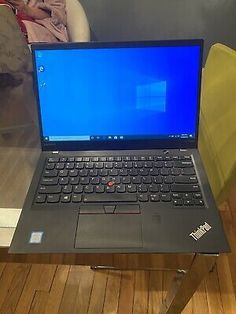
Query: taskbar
[[117, 137]]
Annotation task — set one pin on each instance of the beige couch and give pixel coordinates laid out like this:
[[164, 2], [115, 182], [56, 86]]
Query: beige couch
[[77, 22]]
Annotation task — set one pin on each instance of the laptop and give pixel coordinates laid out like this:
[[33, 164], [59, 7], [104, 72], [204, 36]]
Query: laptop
[[119, 169]]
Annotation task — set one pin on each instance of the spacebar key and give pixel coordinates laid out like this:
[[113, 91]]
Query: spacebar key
[[107, 198]]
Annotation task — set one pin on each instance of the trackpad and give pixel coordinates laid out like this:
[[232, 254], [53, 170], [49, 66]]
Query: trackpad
[[109, 231]]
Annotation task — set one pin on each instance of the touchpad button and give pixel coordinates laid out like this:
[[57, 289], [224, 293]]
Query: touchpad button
[[109, 231]]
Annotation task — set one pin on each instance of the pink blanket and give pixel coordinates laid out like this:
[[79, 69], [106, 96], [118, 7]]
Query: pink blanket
[[54, 27], [51, 29]]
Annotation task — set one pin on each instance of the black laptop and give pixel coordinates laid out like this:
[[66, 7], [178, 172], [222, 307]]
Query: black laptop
[[119, 169]]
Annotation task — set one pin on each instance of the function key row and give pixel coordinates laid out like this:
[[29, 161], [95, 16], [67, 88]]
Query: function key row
[[120, 158], [118, 165]]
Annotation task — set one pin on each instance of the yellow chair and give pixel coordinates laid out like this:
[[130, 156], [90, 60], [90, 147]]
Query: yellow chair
[[217, 133]]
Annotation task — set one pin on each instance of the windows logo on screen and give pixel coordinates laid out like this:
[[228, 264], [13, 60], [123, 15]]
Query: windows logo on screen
[[151, 96]]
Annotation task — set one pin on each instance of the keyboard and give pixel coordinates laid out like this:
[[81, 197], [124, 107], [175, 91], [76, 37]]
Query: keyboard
[[120, 179]]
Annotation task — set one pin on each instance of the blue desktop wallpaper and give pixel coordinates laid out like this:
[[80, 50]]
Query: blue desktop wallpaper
[[120, 91]]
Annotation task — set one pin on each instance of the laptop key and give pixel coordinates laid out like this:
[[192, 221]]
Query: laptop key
[[143, 197], [176, 195], [63, 180], [178, 202], [73, 180], [188, 202], [121, 188], [63, 159], [187, 196], [197, 195], [198, 202], [73, 173], [50, 173], [76, 198], [113, 172], [49, 189], [78, 189], [70, 165], [49, 181], [154, 197], [164, 188], [50, 166], [188, 171], [65, 198], [60, 166], [88, 189], [106, 198], [131, 188], [95, 180], [67, 189], [183, 164], [127, 209], [40, 198], [63, 173], [154, 188], [53, 198], [53, 159], [185, 188], [110, 189], [99, 189], [91, 209], [165, 197], [142, 188], [186, 179]]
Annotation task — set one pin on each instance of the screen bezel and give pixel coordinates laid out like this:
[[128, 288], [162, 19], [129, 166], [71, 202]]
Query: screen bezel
[[120, 144]]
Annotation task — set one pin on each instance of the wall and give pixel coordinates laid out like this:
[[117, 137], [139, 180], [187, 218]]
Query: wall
[[114, 20]]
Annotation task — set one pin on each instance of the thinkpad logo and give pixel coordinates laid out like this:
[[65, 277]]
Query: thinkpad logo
[[200, 231]]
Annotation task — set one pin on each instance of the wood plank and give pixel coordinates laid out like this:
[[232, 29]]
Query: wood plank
[[57, 290], [199, 299], [84, 292], [155, 291], [112, 293], [168, 277], [226, 285], [2, 267], [213, 293], [71, 289], [141, 292], [125, 305], [12, 292], [39, 302], [98, 292], [40, 278], [229, 218], [6, 279], [188, 308]]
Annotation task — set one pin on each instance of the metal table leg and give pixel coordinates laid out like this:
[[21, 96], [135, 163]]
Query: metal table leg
[[186, 283]]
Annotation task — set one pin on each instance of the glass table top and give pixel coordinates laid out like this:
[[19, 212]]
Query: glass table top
[[19, 142]]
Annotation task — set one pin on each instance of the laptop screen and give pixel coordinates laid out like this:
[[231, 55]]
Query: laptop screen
[[126, 92]]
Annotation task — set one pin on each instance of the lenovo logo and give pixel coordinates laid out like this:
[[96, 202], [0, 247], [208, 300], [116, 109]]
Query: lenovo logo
[[200, 231]]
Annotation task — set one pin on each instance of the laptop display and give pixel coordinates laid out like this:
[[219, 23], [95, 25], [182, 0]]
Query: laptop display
[[119, 93]]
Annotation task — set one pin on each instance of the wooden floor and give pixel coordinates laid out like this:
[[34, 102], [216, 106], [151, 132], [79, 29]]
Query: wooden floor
[[35, 288]]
